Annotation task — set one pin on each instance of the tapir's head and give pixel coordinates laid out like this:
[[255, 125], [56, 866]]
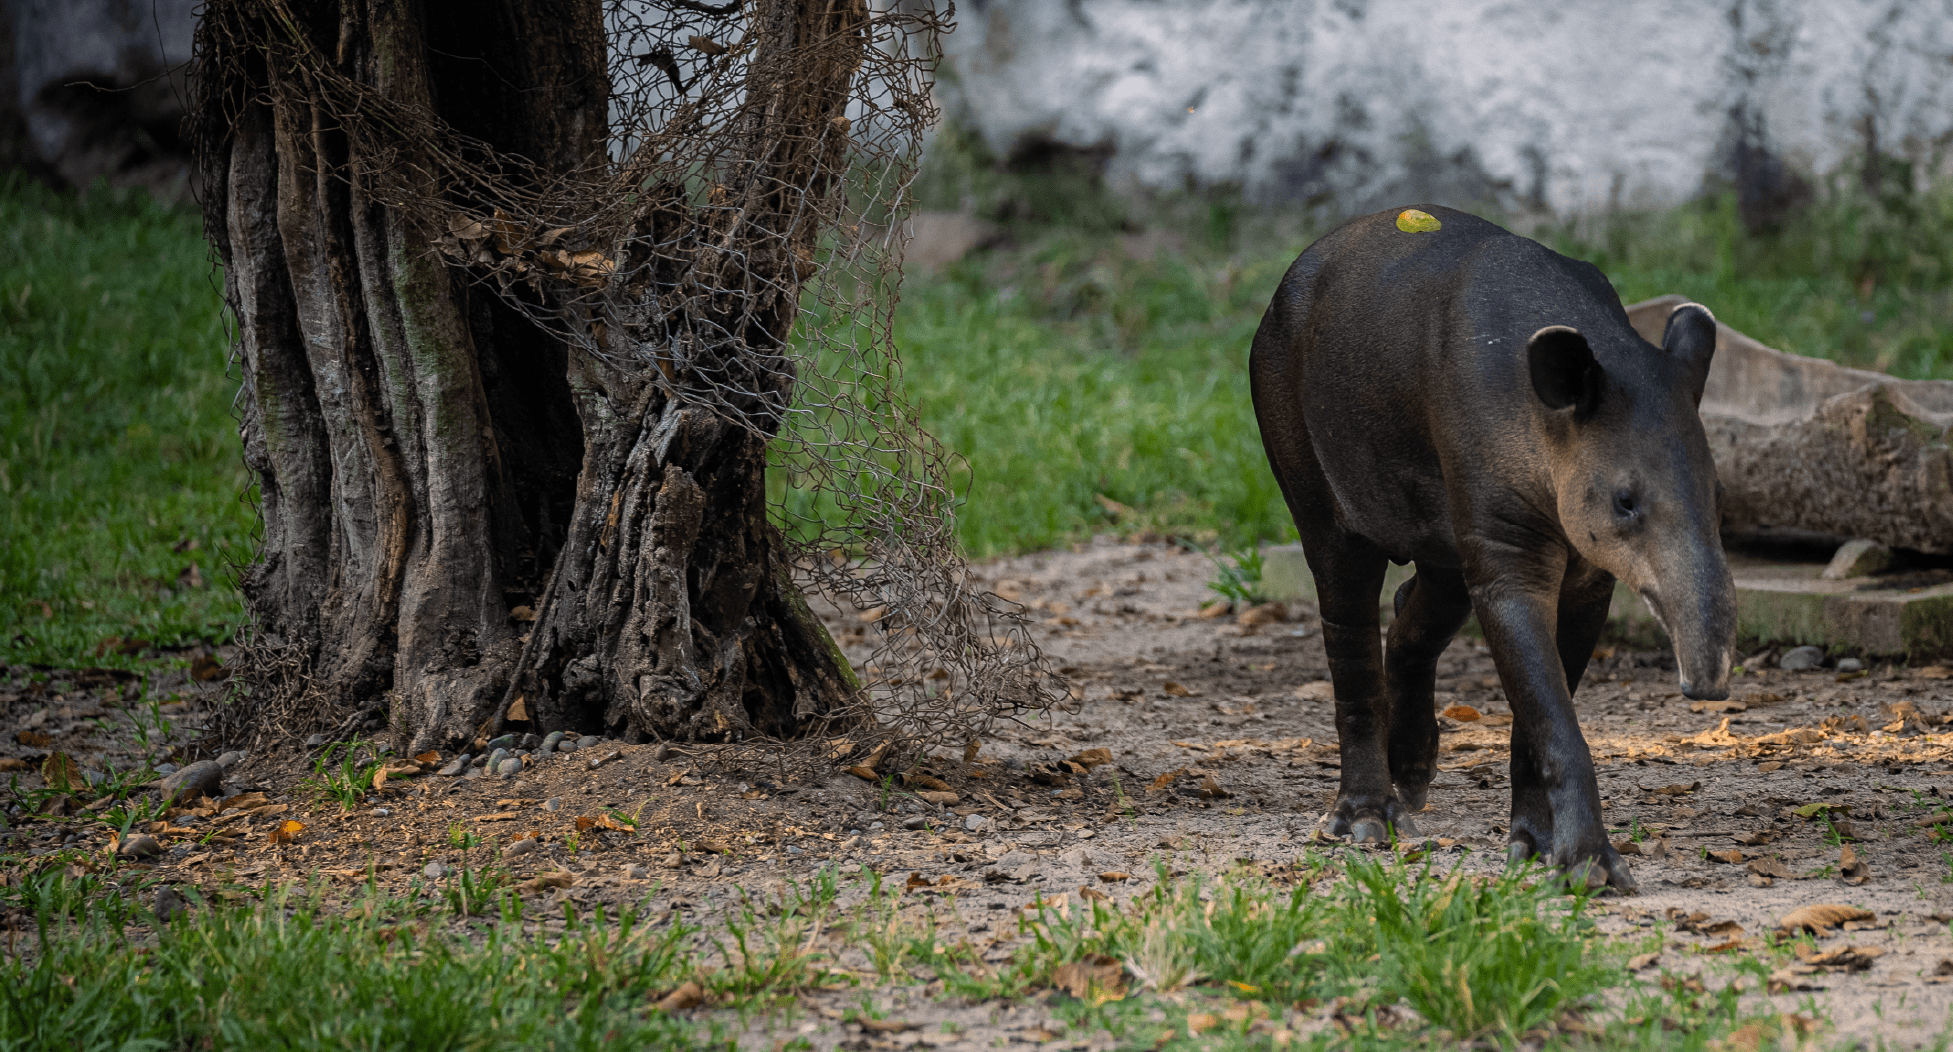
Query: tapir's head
[[1636, 487]]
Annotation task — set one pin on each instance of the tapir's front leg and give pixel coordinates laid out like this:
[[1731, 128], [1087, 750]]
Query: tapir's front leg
[[1555, 798]]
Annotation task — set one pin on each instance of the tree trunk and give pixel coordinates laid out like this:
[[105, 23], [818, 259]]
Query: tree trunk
[[467, 509]]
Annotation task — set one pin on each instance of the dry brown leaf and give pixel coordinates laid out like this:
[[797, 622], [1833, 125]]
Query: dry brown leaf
[[1733, 856], [1176, 690], [34, 739], [1851, 868], [1098, 978], [1265, 614], [1844, 958], [1091, 758], [501, 816], [866, 774], [1114, 876], [1757, 839], [1161, 783], [60, 771], [1677, 789], [689, 995], [924, 781], [1642, 960], [519, 709], [1769, 867], [1211, 789], [585, 823], [1091, 894], [1820, 918], [1199, 1021], [970, 750], [287, 831], [544, 881], [1462, 713], [940, 799]]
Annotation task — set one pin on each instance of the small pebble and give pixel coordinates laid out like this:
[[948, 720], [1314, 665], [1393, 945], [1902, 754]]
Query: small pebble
[[230, 759], [381, 812], [520, 848], [637, 871], [202, 778], [140, 845], [165, 768], [975, 823], [509, 767], [1801, 658], [168, 903], [435, 871], [874, 826], [494, 758], [661, 753], [502, 742], [566, 746], [915, 821], [1850, 665], [530, 741], [315, 741], [554, 803], [589, 741], [454, 767]]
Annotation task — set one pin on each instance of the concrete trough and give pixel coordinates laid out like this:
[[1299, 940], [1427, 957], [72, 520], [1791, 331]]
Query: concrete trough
[[1788, 603]]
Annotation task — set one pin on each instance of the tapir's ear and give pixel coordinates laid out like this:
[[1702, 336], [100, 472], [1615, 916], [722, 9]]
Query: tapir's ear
[[1564, 371], [1691, 337]]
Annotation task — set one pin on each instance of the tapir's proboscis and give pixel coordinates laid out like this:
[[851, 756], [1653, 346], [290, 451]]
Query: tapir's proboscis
[[1433, 389]]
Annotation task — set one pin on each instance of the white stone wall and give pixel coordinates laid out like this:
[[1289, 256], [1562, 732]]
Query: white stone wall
[[1545, 105]]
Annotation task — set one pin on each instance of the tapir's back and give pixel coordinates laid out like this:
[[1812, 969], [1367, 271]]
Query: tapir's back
[[1389, 349]]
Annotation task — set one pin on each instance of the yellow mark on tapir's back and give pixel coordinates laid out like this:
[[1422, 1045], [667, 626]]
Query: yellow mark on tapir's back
[[1412, 221]]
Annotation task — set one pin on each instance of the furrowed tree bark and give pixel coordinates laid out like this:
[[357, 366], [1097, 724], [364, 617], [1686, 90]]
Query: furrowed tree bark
[[431, 461]]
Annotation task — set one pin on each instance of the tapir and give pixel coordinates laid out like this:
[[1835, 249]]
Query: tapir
[[1433, 389]]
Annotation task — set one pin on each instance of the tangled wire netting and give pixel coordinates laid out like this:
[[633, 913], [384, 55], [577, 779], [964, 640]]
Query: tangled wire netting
[[736, 192]]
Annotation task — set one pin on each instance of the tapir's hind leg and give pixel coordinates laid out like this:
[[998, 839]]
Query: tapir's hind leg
[[1431, 607], [1349, 575]]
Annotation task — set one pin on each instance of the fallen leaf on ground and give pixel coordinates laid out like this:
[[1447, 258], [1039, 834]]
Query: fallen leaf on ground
[[1091, 758], [1320, 690], [1845, 958], [1462, 713], [1769, 867], [1733, 856], [287, 831], [866, 774], [924, 781], [1177, 690], [1113, 876], [34, 739], [1820, 918], [689, 995], [60, 771], [544, 881], [1097, 979], [1851, 868], [1211, 789], [1161, 783], [944, 799]]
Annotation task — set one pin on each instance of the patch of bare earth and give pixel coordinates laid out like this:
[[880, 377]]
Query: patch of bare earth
[[1218, 751]]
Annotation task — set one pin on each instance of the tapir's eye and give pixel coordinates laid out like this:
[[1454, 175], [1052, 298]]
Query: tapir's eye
[[1624, 505]]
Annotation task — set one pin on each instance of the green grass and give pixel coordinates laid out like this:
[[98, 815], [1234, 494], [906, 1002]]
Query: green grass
[[1090, 383], [117, 447], [1401, 956]]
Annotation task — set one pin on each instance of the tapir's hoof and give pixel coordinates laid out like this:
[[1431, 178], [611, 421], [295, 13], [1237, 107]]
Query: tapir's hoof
[[1369, 831], [1411, 798], [1518, 851], [1363, 824]]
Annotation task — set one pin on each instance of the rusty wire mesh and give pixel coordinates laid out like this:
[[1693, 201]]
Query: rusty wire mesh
[[633, 263]]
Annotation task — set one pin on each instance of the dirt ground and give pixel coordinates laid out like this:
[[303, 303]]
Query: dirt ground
[[1222, 754]]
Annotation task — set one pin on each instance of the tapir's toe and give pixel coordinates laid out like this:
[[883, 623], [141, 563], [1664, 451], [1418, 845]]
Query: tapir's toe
[[1369, 831]]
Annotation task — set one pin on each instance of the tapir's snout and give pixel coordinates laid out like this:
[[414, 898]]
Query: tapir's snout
[[1702, 627], [1713, 692]]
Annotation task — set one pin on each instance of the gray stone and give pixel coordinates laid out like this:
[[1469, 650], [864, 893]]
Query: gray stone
[[976, 823], [915, 821], [203, 778], [554, 803], [495, 757], [139, 845], [566, 745], [530, 741], [454, 767], [435, 871], [1857, 559], [550, 740], [168, 903], [165, 768], [1850, 665], [503, 742], [315, 741], [509, 768], [589, 741], [519, 848], [1801, 658], [230, 759], [637, 871]]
